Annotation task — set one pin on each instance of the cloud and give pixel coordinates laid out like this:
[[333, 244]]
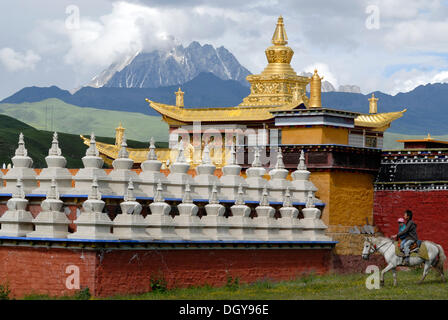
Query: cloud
[[17, 61], [407, 80]]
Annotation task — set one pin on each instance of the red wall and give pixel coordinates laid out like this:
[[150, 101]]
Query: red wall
[[430, 213], [107, 272]]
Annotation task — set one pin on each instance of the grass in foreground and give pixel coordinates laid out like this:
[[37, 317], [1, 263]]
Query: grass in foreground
[[338, 287]]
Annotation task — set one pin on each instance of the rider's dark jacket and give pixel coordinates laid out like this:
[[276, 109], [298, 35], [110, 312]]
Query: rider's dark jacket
[[410, 231]]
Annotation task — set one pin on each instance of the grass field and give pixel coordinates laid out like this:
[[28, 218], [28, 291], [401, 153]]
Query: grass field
[[56, 115], [337, 287]]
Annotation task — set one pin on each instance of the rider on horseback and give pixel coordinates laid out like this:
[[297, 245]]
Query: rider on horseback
[[410, 234]]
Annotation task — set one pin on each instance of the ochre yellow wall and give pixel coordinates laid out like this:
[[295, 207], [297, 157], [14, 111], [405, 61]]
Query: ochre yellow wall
[[348, 197], [314, 135]]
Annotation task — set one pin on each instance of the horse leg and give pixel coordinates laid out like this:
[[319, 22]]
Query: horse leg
[[439, 268], [425, 271], [394, 272], [388, 267]]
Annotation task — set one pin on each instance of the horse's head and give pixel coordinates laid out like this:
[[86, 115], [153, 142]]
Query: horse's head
[[368, 248]]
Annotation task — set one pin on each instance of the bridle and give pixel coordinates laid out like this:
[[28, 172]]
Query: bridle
[[375, 248]]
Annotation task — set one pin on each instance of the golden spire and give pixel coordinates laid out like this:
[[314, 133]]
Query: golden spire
[[315, 91], [119, 133], [280, 38], [373, 104], [179, 98], [278, 84], [429, 137]]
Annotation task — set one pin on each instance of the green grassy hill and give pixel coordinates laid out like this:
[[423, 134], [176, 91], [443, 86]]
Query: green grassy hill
[[38, 142], [56, 115]]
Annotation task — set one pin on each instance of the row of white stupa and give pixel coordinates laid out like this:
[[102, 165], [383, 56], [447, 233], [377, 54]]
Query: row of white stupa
[[93, 223]]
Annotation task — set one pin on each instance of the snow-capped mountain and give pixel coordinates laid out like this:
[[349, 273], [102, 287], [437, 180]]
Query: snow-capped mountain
[[329, 87], [171, 67]]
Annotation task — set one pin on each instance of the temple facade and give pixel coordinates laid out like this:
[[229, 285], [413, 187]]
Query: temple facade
[[342, 148]]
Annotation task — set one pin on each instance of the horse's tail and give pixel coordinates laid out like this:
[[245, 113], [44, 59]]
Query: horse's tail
[[442, 257]]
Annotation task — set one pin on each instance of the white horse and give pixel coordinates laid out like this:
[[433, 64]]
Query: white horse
[[386, 247]]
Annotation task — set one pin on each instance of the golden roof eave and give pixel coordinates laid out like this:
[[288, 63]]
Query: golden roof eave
[[138, 155], [379, 121], [223, 114]]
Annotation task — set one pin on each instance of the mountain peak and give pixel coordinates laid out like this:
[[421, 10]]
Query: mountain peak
[[173, 66]]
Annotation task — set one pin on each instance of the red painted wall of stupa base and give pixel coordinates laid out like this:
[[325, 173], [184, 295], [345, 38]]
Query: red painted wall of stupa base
[[44, 271], [355, 264], [430, 213]]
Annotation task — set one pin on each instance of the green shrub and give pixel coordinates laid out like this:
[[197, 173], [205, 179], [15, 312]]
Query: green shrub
[[158, 282], [4, 291], [83, 294]]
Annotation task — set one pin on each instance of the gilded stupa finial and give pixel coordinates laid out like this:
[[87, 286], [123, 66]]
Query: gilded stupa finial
[[119, 133], [279, 37], [316, 91], [429, 137], [179, 98], [373, 104]]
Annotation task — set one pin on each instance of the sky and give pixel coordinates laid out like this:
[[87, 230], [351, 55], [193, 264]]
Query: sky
[[379, 45]]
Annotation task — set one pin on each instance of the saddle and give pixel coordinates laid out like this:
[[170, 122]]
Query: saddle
[[416, 250]]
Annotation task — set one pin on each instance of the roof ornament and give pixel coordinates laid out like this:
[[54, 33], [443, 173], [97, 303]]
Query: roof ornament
[[158, 197], [181, 155], [21, 150], [123, 153], [239, 201], [315, 91], [310, 201], [53, 192], [94, 192], [187, 194], [152, 150], [55, 150], [256, 163], [287, 202], [92, 150], [130, 193], [214, 196], [280, 164], [232, 160], [302, 165], [206, 155], [179, 98], [279, 38], [264, 201], [373, 104], [19, 193]]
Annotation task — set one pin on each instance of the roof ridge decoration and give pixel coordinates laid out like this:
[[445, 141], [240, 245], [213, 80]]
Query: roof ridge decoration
[[92, 150], [152, 150], [21, 151], [55, 150], [239, 201], [53, 192], [123, 153], [280, 164], [158, 196], [19, 193]]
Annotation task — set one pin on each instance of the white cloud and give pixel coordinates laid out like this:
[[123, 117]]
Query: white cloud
[[404, 81], [324, 71], [16, 61]]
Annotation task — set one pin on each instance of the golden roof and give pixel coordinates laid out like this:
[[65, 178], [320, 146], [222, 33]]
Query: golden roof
[[226, 114], [379, 121], [138, 155], [427, 139]]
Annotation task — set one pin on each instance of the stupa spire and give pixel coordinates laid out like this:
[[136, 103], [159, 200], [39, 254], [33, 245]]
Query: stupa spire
[[21, 150], [373, 104], [55, 150], [279, 37], [152, 150], [123, 153], [92, 150]]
